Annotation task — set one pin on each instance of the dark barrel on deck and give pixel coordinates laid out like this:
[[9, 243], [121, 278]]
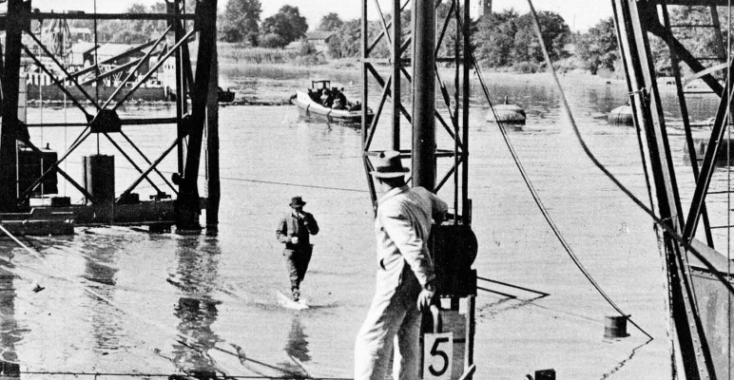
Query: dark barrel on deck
[[99, 178], [615, 327]]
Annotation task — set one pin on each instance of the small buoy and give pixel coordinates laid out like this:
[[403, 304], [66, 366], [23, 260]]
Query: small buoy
[[507, 113], [621, 115], [615, 327]]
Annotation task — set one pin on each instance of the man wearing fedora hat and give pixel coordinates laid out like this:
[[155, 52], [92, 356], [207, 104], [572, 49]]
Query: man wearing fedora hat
[[294, 230], [405, 275]]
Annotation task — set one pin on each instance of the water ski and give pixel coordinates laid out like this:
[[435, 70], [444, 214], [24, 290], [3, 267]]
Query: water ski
[[287, 302]]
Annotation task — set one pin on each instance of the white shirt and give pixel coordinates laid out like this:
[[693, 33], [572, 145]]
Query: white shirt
[[402, 227]]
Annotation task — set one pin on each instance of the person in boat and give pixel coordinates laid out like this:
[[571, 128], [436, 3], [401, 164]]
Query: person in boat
[[405, 275], [338, 105], [356, 106], [326, 99], [339, 95], [294, 230], [314, 95]]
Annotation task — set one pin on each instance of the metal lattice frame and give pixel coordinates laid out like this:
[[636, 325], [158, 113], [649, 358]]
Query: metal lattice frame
[[190, 124], [696, 302], [456, 105]]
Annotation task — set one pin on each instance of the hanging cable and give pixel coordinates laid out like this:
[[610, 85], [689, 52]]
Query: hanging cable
[[672, 233], [543, 209], [728, 186], [96, 65]]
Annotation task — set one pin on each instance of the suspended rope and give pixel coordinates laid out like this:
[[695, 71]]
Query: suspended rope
[[672, 233], [135, 374], [728, 186], [541, 206], [96, 65]]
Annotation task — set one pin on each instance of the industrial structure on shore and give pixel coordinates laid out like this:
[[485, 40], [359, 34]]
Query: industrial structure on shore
[[29, 172]]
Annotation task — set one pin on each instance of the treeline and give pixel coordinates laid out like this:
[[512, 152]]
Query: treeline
[[504, 40]]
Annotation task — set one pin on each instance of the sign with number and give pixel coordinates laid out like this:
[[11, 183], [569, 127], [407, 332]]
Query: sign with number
[[438, 354]]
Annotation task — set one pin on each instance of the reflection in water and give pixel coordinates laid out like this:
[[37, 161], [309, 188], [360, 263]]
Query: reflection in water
[[297, 350], [99, 267], [297, 345], [196, 276], [9, 332]]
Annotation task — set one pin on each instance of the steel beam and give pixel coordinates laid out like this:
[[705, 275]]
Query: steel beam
[[633, 19], [212, 147], [188, 198], [110, 16], [686, 121], [424, 94], [465, 203], [709, 163], [396, 66], [10, 124]]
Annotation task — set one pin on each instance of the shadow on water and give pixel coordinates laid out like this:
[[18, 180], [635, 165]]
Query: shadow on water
[[10, 333], [196, 273]]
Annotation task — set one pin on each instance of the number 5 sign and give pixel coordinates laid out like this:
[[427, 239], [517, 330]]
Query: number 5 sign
[[438, 353]]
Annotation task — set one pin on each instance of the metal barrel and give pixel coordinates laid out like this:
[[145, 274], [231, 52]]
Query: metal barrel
[[615, 327]]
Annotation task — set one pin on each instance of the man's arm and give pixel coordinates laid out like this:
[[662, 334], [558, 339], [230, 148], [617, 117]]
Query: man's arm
[[409, 243], [281, 232], [311, 225], [439, 208]]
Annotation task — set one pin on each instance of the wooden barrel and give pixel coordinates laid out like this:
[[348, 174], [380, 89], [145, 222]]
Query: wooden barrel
[[615, 327]]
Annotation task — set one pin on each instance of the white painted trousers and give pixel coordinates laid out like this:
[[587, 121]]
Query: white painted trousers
[[392, 325]]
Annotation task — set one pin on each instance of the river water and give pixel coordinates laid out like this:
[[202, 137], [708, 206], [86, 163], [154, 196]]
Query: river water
[[122, 301]]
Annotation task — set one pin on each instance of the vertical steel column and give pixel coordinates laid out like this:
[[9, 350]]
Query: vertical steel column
[[8, 168], [180, 88], [365, 78], [396, 64], [188, 198], [212, 147], [632, 19], [424, 94], [466, 61]]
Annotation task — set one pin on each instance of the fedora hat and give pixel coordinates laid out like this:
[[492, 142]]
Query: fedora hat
[[297, 201], [389, 165]]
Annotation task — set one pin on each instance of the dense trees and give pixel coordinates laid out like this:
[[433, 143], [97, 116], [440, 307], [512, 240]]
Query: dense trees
[[501, 39], [599, 48], [331, 22], [506, 38], [287, 24], [239, 22]]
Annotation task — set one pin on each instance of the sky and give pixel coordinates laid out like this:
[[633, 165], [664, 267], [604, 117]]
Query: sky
[[580, 15]]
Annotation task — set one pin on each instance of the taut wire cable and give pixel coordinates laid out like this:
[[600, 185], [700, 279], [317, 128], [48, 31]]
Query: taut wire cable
[[544, 211]]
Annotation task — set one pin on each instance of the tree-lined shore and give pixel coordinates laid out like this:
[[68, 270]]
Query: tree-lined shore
[[503, 41]]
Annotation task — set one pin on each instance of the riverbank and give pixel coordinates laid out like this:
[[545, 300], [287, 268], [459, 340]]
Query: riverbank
[[273, 84]]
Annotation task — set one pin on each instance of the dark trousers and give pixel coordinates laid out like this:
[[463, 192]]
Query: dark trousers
[[296, 261]]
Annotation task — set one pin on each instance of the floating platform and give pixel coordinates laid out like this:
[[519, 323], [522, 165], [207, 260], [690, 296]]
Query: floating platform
[[39, 222], [61, 220]]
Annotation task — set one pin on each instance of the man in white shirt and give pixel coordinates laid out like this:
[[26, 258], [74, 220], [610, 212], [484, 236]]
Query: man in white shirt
[[405, 275]]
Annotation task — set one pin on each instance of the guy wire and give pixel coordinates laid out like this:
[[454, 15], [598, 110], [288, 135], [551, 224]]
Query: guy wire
[[672, 233], [543, 209]]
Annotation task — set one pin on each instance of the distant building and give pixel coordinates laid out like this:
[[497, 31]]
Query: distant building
[[485, 8], [319, 39]]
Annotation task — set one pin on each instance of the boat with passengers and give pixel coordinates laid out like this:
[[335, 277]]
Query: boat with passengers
[[330, 103]]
